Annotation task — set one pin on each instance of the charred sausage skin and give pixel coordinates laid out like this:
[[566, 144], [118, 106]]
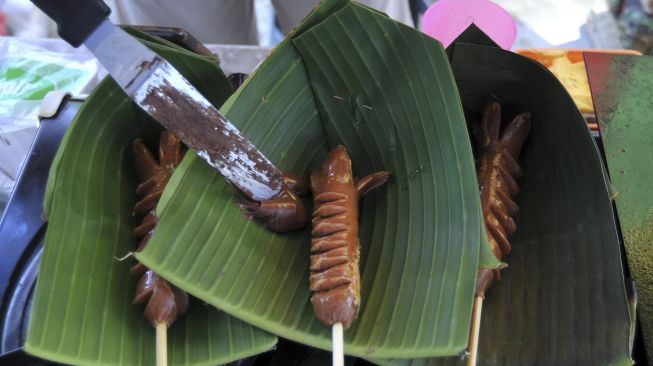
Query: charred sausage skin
[[164, 301], [335, 251], [498, 173]]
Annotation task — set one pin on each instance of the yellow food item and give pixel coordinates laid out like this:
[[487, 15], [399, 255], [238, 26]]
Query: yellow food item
[[574, 78]]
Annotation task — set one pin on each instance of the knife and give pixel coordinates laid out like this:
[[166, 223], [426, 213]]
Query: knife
[[163, 93]]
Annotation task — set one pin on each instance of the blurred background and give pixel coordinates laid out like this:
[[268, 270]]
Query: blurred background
[[542, 23]]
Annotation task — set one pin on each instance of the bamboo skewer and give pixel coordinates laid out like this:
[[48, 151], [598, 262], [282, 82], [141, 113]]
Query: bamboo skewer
[[475, 331], [337, 339], [497, 171], [161, 344]]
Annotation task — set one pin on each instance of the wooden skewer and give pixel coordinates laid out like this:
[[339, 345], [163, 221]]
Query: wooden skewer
[[337, 339], [476, 327], [161, 344]]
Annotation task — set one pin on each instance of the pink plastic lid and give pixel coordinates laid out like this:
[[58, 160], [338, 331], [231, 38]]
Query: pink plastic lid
[[447, 19]]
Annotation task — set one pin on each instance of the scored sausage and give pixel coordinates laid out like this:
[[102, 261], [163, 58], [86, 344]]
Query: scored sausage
[[498, 172], [335, 251]]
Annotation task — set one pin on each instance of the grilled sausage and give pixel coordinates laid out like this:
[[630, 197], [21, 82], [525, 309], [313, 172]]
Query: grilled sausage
[[498, 172], [283, 213], [164, 301], [335, 252]]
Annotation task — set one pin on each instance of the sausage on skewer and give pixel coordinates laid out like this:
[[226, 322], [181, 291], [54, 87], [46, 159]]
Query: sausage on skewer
[[498, 172], [335, 277], [164, 301]]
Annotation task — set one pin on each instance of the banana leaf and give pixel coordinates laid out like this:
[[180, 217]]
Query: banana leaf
[[82, 311], [348, 75], [622, 92], [562, 299]]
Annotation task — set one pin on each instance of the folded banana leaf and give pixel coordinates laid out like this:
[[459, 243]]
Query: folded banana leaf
[[562, 299], [82, 311], [348, 75], [622, 88]]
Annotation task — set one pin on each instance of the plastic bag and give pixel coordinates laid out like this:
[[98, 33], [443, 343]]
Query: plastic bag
[[29, 69]]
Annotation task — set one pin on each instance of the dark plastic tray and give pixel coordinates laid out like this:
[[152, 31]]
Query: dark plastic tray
[[22, 231]]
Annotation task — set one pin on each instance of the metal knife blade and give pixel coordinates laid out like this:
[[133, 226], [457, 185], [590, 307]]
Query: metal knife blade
[[162, 92]]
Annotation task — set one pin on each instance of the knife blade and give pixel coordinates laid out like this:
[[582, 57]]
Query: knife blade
[[163, 93]]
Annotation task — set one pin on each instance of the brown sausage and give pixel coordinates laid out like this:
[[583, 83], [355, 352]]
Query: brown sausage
[[335, 252], [498, 172], [164, 301], [283, 213]]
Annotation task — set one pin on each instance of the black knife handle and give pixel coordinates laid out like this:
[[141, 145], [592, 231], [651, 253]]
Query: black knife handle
[[76, 19]]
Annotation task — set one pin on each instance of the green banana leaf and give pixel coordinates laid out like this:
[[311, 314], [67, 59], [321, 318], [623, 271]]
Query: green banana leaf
[[351, 76], [562, 299], [82, 311], [622, 89]]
